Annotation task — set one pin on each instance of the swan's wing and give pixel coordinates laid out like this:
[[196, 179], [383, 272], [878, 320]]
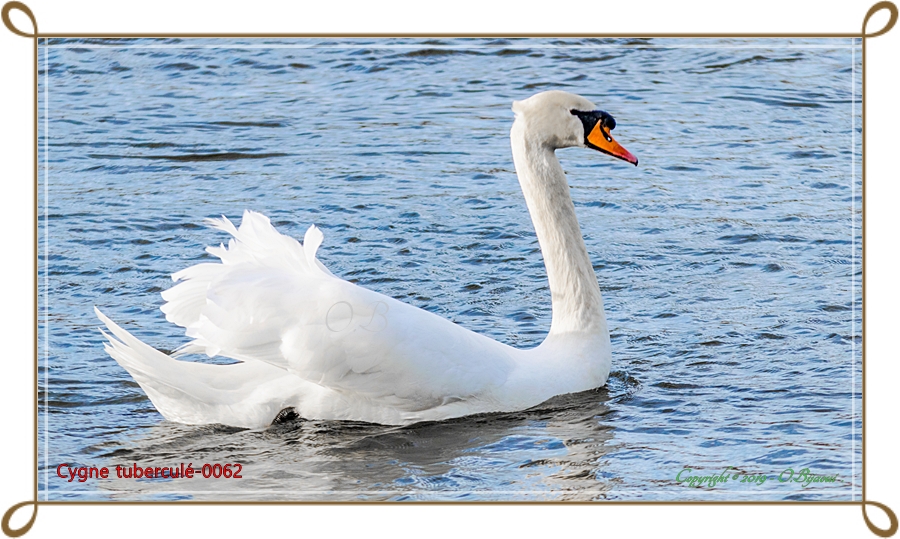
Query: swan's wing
[[270, 300]]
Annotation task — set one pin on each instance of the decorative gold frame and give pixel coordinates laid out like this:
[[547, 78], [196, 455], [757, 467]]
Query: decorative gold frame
[[35, 35]]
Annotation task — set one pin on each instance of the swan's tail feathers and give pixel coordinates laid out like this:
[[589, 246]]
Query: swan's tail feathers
[[244, 394], [257, 245]]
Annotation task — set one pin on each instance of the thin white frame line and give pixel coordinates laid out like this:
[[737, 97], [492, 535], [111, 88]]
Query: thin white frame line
[[46, 271], [407, 492], [853, 268], [436, 47], [853, 46]]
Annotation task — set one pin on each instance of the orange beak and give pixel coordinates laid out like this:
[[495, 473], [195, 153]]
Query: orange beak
[[599, 139]]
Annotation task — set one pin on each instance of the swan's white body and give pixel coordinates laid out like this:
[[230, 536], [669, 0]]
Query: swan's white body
[[333, 350]]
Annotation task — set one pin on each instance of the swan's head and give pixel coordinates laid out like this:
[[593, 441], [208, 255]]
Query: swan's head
[[559, 119]]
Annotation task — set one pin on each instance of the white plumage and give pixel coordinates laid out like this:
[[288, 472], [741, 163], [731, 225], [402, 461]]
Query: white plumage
[[330, 349]]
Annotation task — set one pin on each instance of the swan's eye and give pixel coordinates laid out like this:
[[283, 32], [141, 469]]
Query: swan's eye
[[591, 118]]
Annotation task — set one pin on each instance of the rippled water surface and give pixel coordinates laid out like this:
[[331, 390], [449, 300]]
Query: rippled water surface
[[728, 260]]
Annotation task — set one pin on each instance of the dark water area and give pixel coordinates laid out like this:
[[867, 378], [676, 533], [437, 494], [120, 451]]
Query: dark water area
[[729, 260]]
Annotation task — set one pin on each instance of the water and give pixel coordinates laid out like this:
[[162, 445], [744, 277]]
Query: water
[[728, 260]]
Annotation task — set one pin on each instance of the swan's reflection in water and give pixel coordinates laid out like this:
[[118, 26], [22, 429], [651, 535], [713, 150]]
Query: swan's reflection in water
[[551, 452]]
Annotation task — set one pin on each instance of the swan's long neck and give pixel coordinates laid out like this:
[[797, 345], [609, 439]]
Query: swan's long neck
[[577, 303]]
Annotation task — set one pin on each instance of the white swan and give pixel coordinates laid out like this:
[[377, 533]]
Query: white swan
[[328, 349]]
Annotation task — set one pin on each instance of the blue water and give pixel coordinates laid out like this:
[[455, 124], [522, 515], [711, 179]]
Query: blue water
[[729, 259]]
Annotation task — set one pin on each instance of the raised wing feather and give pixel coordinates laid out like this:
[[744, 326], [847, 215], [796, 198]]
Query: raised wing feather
[[271, 300]]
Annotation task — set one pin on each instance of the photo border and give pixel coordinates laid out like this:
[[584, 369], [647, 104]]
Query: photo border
[[35, 35]]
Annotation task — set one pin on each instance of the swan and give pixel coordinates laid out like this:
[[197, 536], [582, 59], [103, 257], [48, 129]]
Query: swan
[[310, 344]]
